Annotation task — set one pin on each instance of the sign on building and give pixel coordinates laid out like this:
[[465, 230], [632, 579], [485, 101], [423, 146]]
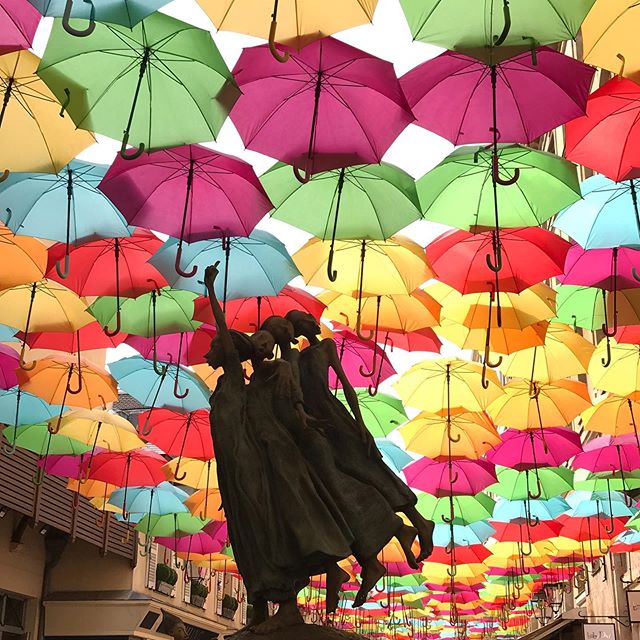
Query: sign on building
[[599, 631], [633, 603]]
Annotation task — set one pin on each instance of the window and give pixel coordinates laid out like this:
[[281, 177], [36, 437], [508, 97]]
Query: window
[[12, 610]]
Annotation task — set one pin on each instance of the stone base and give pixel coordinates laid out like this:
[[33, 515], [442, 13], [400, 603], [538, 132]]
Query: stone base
[[299, 632]]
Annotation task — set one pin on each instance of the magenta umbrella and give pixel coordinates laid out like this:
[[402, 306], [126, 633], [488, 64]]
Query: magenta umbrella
[[452, 95], [610, 453], [9, 362], [212, 539], [18, 23], [67, 466], [535, 448], [330, 106], [454, 477], [190, 192]]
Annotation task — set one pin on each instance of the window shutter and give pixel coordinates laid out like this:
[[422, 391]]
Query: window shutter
[[243, 604], [219, 590], [152, 563], [186, 589]]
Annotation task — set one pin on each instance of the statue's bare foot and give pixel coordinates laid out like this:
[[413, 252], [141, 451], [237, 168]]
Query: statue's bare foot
[[372, 571], [425, 538], [336, 577], [288, 615], [406, 537]]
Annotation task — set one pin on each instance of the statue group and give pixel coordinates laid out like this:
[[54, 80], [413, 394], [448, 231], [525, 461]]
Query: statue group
[[303, 484]]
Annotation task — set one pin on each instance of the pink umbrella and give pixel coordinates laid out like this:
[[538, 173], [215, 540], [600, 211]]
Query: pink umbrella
[[189, 192], [186, 348], [9, 362], [212, 539], [457, 477], [453, 96], [523, 450], [329, 107], [18, 23], [67, 466], [610, 453]]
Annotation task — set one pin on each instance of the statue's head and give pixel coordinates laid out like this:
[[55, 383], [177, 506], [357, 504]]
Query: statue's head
[[263, 345], [304, 324], [243, 344], [280, 328]]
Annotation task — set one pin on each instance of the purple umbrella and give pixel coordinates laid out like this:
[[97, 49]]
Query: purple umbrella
[[330, 106], [9, 362], [18, 23], [607, 269], [455, 477], [212, 539], [534, 448], [190, 193]]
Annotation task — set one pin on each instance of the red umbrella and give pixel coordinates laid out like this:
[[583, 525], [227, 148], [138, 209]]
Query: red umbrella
[[607, 138], [91, 336], [470, 554], [185, 348], [131, 469], [628, 335], [530, 255], [420, 340], [584, 528], [454, 477], [519, 531]]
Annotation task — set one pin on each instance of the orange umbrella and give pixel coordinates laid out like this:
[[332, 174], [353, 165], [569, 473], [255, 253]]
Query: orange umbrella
[[22, 259], [206, 503]]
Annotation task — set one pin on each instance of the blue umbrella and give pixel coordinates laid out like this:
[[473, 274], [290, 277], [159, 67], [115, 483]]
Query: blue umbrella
[[463, 535], [161, 500], [255, 266], [137, 377], [66, 207], [610, 504], [8, 334], [392, 455], [510, 510], [606, 217], [19, 407]]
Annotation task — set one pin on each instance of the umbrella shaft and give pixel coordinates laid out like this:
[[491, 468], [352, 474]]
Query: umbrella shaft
[[7, 97], [143, 68]]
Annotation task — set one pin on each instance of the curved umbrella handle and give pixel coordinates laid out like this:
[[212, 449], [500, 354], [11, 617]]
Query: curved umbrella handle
[[124, 154], [79, 33], [538, 494], [634, 271], [505, 182], [332, 274], [9, 451], [179, 271], [623, 61], [280, 57], [38, 477], [78, 389], [302, 178], [533, 522], [452, 571], [3, 177], [176, 393], [23, 365], [116, 331], [496, 364], [607, 360], [176, 475], [450, 437], [145, 549], [497, 267], [63, 272], [362, 336], [146, 429], [530, 551], [65, 105], [507, 25]]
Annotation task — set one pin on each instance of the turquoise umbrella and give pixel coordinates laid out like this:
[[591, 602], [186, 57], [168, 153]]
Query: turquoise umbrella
[[463, 534], [258, 265], [606, 217], [8, 334], [161, 500], [19, 408], [66, 207], [125, 12], [392, 455]]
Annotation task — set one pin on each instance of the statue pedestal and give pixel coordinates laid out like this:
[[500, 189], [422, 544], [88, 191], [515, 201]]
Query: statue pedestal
[[299, 632]]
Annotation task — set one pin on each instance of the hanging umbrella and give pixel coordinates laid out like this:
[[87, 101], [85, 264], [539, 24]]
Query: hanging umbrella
[[198, 474], [23, 259], [465, 509], [206, 503], [189, 192], [532, 405], [144, 70], [609, 453], [476, 533], [333, 106], [549, 482], [453, 477], [258, 265], [18, 24], [171, 524], [464, 436], [294, 25], [89, 337], [139, 378], [455, 24], [125, 12], [212, 539], [381, 414], [459, 191], [157, 500], [605, 138], [531, 449], [18, 408], [34, 137], [9, 362], [392, 455], [564, 354], [622, 373], [364, 202], [613, 415], [517, 511], [129, 469], [246, 314]]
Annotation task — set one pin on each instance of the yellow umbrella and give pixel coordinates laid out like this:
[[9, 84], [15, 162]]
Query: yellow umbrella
[[22, 259], [436, 570], [622, 375], [523, 406], [527, 562], [99, 428], [609, 37], [206, 503], [466, 435], [290, 22], [613, 415], [396, 265], [396, 312], [91, 488], [33, 136], [198, 474], [445, 383], [513, 549], [565, 353]]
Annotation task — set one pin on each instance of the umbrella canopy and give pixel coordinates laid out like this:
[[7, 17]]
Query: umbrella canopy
[[609, 453], [18, 24], [455, 24], [31, 120], [198, 474], [456, 477], [171, 524], [18, 407], [465, 509], [333, 106], [38, 439], [160, 500], [23, 260], [89, 337], [381, 413], [622, 375], [613, 415], [206, 503], [608, 269], [452, 94], [129, 469], [459, 191], [544, 483], [144, 72]]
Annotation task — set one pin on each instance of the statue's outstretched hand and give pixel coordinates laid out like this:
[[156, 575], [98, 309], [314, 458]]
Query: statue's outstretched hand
[[210, 274]]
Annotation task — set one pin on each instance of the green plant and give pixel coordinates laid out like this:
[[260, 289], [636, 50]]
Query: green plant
[[163, 573], [200, 589], [173, 577]]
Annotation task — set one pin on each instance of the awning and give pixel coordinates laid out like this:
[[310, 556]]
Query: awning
[[552, 630]]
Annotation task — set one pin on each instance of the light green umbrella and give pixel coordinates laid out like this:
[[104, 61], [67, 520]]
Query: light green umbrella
[[456, 509], [381, 413], [171, 524], [369, 202], [162, 83], [38, 439], [457, 24], [539, 484]]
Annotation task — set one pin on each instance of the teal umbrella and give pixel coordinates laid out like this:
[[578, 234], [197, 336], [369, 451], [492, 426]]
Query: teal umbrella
[[125, 12], [162, 83]]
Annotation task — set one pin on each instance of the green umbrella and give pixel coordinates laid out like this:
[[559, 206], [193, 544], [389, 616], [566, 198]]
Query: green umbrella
[[38, 439], [581, 306], [459, 191], [456, 509], [362, 202], [381, 413], [606, 480], [171, 524], [456, 24], [162, 83], [548, 482]]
